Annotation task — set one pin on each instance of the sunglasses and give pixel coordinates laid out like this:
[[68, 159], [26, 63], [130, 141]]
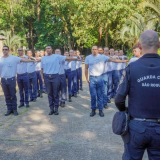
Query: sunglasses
[[5, 49]]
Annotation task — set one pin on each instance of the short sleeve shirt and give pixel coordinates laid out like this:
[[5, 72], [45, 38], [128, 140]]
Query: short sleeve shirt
[[96, 64], [22, 66], [8, 66], [38, 66], [51, 64], [133, 59]]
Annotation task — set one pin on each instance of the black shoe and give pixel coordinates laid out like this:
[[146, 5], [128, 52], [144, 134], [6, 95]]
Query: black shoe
[[81, 89], [41, 96], [15, 112], [51, 112], [93, 113], [27, 105], [70, 99], [8, 113], [34, 100], [101, 114], [31, 100], [56, 111], [106, 106], [21, 105], [109, 101], [38, 93], [62, 105], [75, 95]]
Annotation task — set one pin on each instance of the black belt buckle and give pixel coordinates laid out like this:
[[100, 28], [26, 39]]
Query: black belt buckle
[[158, 120], [50, 76]]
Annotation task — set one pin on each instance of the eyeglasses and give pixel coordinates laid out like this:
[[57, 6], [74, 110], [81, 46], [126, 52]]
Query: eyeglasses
[[5, 49]]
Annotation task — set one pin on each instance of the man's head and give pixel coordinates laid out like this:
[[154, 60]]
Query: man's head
[[149, 42], [78, 52], [5, 50], [66, 53], [20, 51], [111, 51], [106, 51], [100, 50], [94, 50], [136, 51], [57, 51], [71, 52], [42, 53], [49, 50], [37, 53], [29, 53], [116, 52], [121, 52]]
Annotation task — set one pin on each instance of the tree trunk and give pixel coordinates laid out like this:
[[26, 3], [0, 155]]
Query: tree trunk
[[106, 35], [100, 36], [32, 38], [11, 8], [38, 9]]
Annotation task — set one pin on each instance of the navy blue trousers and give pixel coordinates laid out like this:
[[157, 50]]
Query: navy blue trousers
[[79, 78], [9, 89], [143, 136], [68, 74], [39, 81], [62, 89], [74, 82], [52, 83], [32, 85], [23, 83], [105, 88], [96, 91]]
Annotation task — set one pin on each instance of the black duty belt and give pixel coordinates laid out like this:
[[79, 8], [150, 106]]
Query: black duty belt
[[146, 119]]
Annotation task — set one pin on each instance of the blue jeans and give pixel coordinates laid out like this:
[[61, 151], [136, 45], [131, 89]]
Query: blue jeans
[[32, 85], [23, 83], [52, 83], [68, 74], [39, 81], [9, 89], [110, 85], [74, 82], [96, 91], [62, 90], [105, 88], [79, 78], [143, 136]]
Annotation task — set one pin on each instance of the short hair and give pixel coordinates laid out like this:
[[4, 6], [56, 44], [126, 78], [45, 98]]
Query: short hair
[[6, 47], [106, 47], [135, 47], [100, 47], [95, 46], [29, 50], [49, 46]]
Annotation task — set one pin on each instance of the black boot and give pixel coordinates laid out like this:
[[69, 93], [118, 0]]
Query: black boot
[[15, 112], [21, 105], [106, 106], [70, 99], [109, 101], [93, 112], [75, 95], [81, 89], [56, 111], [40, 92], [101, 114], [27, 105], [51, 112], [63, 104], [8, 113]]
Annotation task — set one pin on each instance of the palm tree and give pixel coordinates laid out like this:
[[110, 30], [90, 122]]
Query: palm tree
[[12, 41]]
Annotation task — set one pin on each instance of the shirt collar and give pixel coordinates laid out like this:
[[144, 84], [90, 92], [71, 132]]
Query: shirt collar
[[151, 55]]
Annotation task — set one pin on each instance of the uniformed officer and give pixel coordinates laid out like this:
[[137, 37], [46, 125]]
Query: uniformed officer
[[22, 80], [68, 74], [32, 78], [38, 73], [50, 65], [95, 63], [62, 88], [8, 69], [100, 50], [136, 53], [142, 85]]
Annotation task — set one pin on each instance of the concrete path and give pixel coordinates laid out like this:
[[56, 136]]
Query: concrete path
[[72, 135]]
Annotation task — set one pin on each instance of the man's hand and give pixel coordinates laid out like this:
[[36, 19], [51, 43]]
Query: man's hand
[[88, 81], [43, 81], [125, 61]]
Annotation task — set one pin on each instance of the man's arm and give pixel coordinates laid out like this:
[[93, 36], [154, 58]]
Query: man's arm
[[26, 60], [42, 75], [86, 72], [72, 59], [117, 60], [123, 90]]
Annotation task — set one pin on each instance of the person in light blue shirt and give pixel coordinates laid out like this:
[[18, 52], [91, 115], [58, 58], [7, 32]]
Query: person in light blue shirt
[[62, 88], [32, 78], [136, 53], [38, 72], [95, 64], [8, 70], [23, 80], [50, 65]]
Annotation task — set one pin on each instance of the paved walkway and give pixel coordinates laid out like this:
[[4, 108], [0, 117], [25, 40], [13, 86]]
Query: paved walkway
[[72, 135]]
